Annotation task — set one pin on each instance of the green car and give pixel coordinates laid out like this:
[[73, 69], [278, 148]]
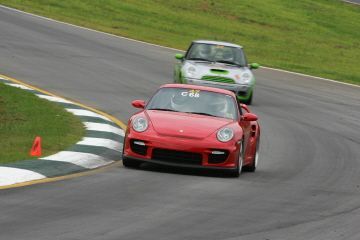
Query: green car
[[217, 64]]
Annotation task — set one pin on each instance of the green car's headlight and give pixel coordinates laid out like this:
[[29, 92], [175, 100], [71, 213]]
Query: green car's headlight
[[191, 71], [245, 77]]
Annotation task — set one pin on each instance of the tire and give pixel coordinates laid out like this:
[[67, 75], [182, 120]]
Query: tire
[[237, 171], [253, 166], [130, 163]]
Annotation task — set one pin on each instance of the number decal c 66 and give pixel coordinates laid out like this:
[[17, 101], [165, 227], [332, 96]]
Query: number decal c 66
[[191, 93]]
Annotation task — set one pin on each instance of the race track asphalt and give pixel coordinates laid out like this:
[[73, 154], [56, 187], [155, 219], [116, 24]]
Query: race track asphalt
[[307, 185]]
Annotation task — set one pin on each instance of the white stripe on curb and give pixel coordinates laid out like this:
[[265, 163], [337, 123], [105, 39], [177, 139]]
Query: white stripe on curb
[[87, 113], [19, 86], [104, 128], [86, 160], [53, 99], [11, 175], [101, 142]]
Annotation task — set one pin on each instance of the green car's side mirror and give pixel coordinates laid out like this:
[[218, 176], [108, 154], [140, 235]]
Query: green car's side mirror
[[254, 66], [179, 56]]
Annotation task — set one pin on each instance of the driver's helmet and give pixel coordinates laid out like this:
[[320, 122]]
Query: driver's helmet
[[204, 51], [228, 55], [179, 102], [218, 105]]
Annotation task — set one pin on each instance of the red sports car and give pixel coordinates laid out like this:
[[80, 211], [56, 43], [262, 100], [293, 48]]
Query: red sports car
[[193, 126]]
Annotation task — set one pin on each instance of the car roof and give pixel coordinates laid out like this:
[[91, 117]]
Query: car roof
[[199, 87], [218, 43]]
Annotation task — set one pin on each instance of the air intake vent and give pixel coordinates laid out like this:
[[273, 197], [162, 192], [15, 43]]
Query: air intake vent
[[218, 79], [219, 71]]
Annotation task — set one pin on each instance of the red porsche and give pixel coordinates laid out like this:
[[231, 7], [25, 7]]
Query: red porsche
[[193, 126]]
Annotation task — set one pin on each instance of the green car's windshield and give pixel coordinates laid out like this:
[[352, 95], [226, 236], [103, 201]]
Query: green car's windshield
[[194, 101], [216, 53]]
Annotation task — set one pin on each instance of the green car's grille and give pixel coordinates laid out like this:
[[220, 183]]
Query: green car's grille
[[218, 79]]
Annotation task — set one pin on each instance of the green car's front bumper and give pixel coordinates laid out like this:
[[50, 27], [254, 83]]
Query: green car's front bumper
[[243, 92]]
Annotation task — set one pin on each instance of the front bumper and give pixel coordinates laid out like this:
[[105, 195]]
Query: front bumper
[[200, 147], [242, 91]]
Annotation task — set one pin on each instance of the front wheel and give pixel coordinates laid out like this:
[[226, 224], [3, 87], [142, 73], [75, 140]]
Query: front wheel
[[237, 171], [252, 167]]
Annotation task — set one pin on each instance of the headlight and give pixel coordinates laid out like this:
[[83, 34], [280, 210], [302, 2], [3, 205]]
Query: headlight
[[225, 134], [245, 77], [191, 71], [140, 124]]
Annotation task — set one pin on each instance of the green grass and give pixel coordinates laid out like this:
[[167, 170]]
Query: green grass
[[24, 116], [314, 37]]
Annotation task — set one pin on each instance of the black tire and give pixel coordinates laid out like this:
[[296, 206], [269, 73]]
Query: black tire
[[130, 163], [237, 171], [252, 167]]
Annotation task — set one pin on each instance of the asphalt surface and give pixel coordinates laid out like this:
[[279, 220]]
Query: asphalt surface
[[307, 185]]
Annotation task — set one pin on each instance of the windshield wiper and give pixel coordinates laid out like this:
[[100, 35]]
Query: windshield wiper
[[229, 62], [199, 59], [163, 109], [202, 113]]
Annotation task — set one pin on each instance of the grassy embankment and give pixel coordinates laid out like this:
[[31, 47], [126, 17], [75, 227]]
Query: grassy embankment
[[24, 116], [314, 37]]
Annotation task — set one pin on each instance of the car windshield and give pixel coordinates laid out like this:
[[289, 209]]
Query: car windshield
[[194, 101], [216, 53]]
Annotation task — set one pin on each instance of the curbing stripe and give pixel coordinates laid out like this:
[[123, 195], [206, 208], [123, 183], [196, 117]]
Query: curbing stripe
[[19, 86], [47, 168], [103, 127], [86, 113], [85, 160], [70, 105], [97, 120], [101, 142], [11, 175], [107, 135], [102, 152], [52, 98]]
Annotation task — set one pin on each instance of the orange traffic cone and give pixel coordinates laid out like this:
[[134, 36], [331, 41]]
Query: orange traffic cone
[[36, 148]]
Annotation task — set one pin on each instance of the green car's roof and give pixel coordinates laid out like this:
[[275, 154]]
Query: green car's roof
[[218, 43]]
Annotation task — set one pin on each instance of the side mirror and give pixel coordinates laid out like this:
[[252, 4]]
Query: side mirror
[[179, 56], [254, 66], [249, 117], [138, 103], [244, 106]]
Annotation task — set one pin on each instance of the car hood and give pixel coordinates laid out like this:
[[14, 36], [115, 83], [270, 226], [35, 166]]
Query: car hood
[[216, 69], [183, 125]]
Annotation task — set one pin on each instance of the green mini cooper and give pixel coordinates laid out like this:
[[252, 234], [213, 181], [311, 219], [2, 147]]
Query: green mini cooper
[[217, 64]]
